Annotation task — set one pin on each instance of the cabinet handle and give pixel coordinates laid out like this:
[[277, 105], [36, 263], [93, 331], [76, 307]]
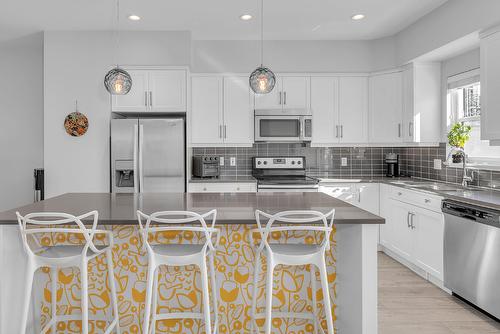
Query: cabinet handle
[[280, 98], [220, 131], [150, 98], [284, 98], [427, 200], [225, 132], [359, 196], [336, 131], [238, 188], [412, 224], [341, 131], [410, 129], [400, 193], [204, 189], [408, 220], [145, 99], [399, 130]]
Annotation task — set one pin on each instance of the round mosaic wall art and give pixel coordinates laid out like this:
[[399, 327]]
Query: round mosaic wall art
[[76, 124]]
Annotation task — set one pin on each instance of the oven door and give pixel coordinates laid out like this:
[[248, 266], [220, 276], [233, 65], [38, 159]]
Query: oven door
[[279, 128], [262, 188]]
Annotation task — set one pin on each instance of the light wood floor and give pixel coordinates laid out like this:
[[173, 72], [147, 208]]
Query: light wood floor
[[409, 304]]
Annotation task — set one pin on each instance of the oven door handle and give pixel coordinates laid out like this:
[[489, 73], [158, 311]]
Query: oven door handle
[[282, 186]]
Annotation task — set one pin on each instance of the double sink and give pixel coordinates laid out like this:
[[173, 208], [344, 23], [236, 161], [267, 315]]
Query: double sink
[[438, 187]]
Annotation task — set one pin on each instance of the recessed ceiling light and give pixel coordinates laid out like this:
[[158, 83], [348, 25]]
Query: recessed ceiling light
[[358, 17], [246, 17], [134, 17]]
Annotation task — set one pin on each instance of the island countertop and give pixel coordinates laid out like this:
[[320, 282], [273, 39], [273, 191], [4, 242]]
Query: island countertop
[[232, 208]]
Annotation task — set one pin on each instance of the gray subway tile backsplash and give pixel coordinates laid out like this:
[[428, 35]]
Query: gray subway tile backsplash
[[361, 161]]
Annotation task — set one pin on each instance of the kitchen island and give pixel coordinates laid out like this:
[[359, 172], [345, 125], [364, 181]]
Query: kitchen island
[[352, 263]]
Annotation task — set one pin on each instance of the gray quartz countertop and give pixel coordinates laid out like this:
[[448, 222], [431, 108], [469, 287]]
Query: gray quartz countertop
[[489, 198], [232, 208], [224, 179]]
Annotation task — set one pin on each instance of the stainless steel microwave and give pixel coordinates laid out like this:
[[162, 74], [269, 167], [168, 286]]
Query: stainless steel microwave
[[283, 125]]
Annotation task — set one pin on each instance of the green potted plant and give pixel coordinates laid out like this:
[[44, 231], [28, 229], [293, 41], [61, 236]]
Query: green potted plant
[[457, 137]]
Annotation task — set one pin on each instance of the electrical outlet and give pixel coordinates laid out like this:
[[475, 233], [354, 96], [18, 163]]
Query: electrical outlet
[[233, 161], [221, 161], [343, 162], [438, 164]]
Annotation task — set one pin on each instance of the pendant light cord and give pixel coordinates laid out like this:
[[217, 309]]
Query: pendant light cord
[[117, 32], [261, 33]]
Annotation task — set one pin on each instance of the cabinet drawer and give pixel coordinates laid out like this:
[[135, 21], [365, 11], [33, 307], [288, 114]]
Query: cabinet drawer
[[423, 200], [222, 187]]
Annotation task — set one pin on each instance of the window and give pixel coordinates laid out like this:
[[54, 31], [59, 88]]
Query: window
[[464, 105]]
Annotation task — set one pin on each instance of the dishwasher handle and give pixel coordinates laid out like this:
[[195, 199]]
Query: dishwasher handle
[[472, 212]]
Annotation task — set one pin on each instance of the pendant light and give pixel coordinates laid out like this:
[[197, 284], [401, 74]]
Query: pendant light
[[262, 80], [117, 81]]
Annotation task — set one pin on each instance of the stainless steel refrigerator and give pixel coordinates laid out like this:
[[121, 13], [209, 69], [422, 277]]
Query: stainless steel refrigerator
[[148, 155]]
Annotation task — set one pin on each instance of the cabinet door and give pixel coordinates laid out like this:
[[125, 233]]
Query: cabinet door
[[137, 99], [490, 86], [408, 106], [385, 212], [353, 109], [272, 100], [385, 115], [238, 111], [368, 197], [429, 241], [401, 237], [167, 90], [206, 116], [344, 192], [296, 92], [324, 105]]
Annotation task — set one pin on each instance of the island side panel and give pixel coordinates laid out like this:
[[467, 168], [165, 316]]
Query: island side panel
[[357, 294], [179, 287]]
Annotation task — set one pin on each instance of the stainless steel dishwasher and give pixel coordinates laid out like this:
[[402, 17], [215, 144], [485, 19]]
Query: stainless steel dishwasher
[[472, 254]]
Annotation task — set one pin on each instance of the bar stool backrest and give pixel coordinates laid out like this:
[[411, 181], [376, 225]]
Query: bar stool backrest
[[57, 222], [315, 220], [177, 221]]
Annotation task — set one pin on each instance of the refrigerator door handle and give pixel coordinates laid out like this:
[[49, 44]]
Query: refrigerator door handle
[[136, 144], [141, 166]]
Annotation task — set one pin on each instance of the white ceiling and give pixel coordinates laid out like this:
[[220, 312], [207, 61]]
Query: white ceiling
[[219, 19]]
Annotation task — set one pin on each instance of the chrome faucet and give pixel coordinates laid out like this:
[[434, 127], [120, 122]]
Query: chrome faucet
[[465, 178]]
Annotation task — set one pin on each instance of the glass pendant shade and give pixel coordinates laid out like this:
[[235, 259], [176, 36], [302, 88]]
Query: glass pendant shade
[[262, 80], [118, 81]]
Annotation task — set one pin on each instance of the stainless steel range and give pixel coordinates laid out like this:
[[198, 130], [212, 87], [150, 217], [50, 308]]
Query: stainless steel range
[[283, 174]]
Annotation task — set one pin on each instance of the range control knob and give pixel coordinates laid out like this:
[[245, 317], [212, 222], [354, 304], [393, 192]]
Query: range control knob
[[293, 162], [259, 162], [265, 162], [299, 162]]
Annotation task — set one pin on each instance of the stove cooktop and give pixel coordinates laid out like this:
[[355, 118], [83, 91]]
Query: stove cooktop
[[287, 180]]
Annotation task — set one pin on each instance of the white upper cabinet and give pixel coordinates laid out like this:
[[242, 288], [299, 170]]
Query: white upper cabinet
[[422, 103], [238, 111], [167, 90], [324, 107], [137, 98], [353, 109], [271, 101], [290, 92], [162, 90], [295, 92], [222, 111], [385, 109], [340, 109], [206, 110], [490, 85]]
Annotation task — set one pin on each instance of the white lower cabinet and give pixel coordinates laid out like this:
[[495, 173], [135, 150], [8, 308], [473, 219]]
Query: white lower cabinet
[[362, 195], [413, 232], [222, 187]]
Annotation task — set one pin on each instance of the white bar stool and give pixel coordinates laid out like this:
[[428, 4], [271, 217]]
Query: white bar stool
[[179, 255], [292, 255], [64, 256]]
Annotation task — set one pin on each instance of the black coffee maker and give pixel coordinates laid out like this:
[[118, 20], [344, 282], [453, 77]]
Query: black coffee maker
[[392, 163]]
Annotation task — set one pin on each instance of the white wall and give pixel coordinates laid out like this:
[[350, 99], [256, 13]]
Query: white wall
[[293, 56], [21, 117], [74, 67], [453, 20], [450, 67]]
